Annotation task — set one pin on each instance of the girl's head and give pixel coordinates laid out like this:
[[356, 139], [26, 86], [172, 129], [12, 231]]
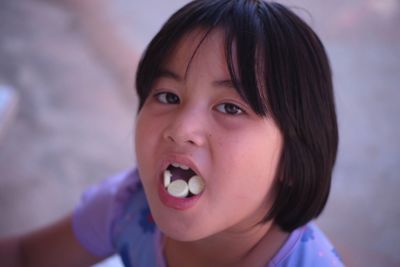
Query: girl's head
[[241, 92]]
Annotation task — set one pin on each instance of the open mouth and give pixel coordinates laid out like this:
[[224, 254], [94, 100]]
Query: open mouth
[[182, 182]]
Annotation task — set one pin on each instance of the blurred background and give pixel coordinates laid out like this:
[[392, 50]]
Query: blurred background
[[68, 122]]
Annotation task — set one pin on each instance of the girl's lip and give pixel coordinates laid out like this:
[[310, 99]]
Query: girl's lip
[[175, 202]]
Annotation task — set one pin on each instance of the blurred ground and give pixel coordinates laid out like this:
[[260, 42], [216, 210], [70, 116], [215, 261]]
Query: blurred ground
[[72, 64]]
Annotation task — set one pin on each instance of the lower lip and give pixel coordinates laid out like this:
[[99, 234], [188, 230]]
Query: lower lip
[[175, 202]]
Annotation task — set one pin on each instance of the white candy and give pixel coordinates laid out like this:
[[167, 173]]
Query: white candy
[[178, 188], [196, 185], [167, 178]]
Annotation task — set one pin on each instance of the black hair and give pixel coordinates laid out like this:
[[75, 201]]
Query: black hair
[[282, 71]]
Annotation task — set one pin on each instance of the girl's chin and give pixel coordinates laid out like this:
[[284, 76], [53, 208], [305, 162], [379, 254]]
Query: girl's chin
[[183, 236], [180, 228]]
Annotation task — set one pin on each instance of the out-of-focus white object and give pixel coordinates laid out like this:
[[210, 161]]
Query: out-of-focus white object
[[8, 107], [114, 261]]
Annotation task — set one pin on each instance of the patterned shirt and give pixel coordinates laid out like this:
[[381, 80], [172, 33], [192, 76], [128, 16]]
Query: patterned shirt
[[114, 217]]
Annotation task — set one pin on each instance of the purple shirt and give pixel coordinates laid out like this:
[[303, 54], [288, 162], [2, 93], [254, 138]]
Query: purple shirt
[[114, 217]]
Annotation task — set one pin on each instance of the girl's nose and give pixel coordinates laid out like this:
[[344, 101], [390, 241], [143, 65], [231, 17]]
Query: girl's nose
[[186, 128]]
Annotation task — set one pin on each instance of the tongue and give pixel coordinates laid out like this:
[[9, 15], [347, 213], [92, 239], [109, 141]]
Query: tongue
[[180, 174]]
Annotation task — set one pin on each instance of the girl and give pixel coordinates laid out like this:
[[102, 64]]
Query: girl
[[236, 138]]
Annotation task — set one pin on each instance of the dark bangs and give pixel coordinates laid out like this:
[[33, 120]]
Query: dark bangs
[[243, 35]]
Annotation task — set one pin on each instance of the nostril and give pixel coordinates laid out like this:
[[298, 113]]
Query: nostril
[[177, 140], [183, 135], [187, 141]]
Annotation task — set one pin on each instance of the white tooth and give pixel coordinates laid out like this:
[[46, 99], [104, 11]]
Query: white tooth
[[184, 167], [178, 188], [196, 185], [167, 178]]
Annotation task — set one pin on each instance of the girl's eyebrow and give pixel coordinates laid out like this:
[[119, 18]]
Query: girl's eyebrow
[[224, 83], [165, 73]]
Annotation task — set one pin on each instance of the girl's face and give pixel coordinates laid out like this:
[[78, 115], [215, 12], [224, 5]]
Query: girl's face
[[194, 117]]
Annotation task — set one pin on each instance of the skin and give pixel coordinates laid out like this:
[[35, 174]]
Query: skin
[[194, 116], [54, 245]]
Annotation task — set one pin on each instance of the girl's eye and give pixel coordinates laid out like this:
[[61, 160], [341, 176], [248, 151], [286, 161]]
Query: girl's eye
[[167, 98], [230, 109]]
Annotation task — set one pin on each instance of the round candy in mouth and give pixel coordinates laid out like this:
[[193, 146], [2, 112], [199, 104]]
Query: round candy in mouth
[[178, 188], [182, 186], [196, 185]]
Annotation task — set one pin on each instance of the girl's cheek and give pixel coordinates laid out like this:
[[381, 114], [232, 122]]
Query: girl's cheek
[[229, 123]]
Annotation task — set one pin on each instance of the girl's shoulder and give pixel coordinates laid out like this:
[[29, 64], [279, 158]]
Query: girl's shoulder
[[135, 235], [307, 246], [101, 206]]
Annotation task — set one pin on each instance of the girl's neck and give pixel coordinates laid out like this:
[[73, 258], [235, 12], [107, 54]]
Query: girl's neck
[[254, 247]]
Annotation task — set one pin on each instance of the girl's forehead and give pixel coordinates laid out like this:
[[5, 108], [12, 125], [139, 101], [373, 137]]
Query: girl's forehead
[[196, 46]]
